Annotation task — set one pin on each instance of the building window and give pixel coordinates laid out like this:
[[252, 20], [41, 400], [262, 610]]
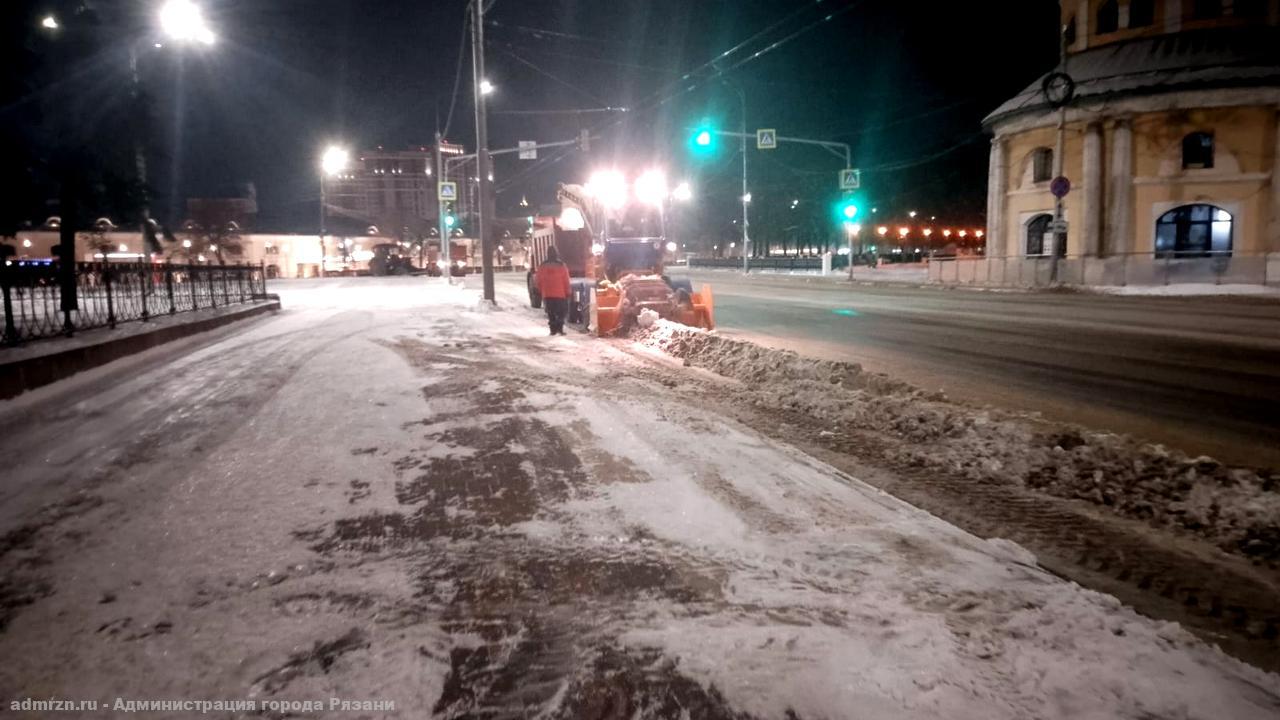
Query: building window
[[1206, 9], [1038, 234], [1069, 33], [1197, 151], [1142, 13], [1194, 231], [1041, 165], [1252, 9], [1109, 17]]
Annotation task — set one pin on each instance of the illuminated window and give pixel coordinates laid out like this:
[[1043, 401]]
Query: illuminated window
[[1194, 231], [1041, 165], [1108, 17], [1197, 151], [1142, 13]]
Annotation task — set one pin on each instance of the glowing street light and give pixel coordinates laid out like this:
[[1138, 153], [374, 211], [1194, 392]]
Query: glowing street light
[[912, 214], [946, 233], [964, 233], [334, 160], [928, 232], [979, 233], [49, 23], [746, 198], [486, 87], [683, 192], [651, 187], [903, 232], [183, 20], [882, 231], [609, 188]]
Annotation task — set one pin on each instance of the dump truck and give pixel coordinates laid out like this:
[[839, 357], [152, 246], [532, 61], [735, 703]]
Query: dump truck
[[614, 276]]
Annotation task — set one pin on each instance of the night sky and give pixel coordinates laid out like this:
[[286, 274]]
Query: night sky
[[905, 83]]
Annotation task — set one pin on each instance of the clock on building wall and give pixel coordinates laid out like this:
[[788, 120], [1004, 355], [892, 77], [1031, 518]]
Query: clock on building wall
[[1058, 88]]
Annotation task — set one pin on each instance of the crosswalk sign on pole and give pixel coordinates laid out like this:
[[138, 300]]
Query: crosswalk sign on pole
[[766, 139], [448, 190], [850, 179]]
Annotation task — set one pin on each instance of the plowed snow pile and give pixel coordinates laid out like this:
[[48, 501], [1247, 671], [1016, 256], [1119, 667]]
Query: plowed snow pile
[[1237, 509]]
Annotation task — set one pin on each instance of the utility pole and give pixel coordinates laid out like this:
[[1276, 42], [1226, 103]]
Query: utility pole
[[1059, 209], [746, 201], [323, 203], [445, 233], [482, 148]]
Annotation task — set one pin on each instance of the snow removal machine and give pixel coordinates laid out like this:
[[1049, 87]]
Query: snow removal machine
[[616, 264]]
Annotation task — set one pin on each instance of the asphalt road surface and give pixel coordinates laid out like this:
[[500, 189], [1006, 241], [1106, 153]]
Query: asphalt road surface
[[1200, 374]]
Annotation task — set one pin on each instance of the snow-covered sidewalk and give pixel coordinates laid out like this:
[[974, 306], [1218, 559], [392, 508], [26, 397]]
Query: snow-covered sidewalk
[[388, 493]]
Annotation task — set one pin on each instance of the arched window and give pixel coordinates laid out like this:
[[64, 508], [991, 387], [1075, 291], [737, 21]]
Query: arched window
[[1142, 13], [1041, 165], [1108, 17], [1194, 231], [1206, 9], [1197, 151], [1038, 234]]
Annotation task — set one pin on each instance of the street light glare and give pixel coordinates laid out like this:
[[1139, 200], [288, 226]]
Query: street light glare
[[182, 20], [486, 87], [746, 198], [651, 187], [703, 138], [335, 160], [609, 188], [49, 22], [683, 192]]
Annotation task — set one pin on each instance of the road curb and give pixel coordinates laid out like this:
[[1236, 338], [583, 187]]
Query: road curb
[[20, 376]]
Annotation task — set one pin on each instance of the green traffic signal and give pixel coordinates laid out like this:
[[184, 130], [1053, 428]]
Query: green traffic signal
[[703, 140], [847, 210]]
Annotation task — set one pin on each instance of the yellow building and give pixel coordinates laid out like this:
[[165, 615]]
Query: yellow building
[[1170, 138]]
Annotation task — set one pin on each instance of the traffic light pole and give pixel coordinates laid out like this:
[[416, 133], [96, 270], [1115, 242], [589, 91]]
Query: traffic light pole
[[484, 185]]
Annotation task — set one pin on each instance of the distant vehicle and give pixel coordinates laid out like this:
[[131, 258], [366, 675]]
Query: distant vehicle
[[388, 260]]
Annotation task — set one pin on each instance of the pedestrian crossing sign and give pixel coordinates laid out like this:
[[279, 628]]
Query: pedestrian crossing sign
[[448, 190], [766, 139], [850, 179]]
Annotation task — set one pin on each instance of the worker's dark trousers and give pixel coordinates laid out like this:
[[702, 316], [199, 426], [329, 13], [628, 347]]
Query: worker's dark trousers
[[557, 309]]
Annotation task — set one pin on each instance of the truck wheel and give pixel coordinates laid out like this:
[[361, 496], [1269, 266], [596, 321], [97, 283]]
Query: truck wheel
[[535, 299]]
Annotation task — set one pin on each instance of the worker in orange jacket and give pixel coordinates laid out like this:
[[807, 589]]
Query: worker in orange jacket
[[553, 285]]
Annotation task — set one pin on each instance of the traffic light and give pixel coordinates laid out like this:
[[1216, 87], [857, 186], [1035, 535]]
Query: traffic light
[[703, 140], [847, 209], [450, 220]]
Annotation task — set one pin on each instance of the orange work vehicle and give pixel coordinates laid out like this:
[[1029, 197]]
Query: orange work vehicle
[[613, 278]]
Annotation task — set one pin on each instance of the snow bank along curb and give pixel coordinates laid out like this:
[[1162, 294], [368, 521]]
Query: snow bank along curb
[[29, 373], [1236, 509]]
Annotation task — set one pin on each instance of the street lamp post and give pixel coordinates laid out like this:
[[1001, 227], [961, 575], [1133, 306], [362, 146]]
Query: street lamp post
[[333, 161], [482, 87]]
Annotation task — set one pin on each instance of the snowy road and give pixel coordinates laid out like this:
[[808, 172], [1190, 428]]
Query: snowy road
[[387, 493], [1201, 374]]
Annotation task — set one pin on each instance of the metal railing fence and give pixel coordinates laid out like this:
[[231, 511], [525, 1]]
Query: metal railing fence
[[110, 293]]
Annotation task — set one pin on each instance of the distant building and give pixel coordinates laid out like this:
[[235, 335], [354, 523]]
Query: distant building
[[1171, 137], [393, 190]]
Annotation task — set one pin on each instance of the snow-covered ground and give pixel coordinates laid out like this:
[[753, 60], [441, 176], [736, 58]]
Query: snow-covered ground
[[387, 492]]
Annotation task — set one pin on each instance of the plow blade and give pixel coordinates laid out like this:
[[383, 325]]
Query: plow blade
[[612, 312]]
